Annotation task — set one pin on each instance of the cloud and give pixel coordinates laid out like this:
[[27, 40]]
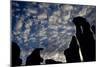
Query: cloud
[[19, 24], [57, 13], [43, 5], [32, 11], [42, 33], [83, 11], [27, 30], [53, 20], [66, 8], [67, 16], [42, 16], [43, 38]]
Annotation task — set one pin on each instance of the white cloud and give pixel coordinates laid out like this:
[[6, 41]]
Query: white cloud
[[83, 11], [33, 39], [66, 17], [42, 32], [42, 16], [19, 24], [43, 38], [53, 27], [57, 13], [53, 20], [44, 5], [28, 23], [32, 11], [63, 32], [66, 8], [59, 20], [27, 30]]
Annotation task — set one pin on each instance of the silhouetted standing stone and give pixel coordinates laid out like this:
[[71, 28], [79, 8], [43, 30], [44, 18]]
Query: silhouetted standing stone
[[51, 61], [85, 38], [34, 58], [72, 53], [15, 51], [93, 29]]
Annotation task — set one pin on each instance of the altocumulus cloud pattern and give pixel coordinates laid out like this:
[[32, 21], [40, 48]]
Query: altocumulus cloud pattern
[[46, 25]]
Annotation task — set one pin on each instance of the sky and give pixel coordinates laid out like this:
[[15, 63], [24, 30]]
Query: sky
[[46, 25]]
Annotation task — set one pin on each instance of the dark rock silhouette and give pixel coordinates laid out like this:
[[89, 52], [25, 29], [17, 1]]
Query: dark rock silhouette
[[15, 54], [51, 61], [93, 29], [34, 58], [85, 38], [72, 53]]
